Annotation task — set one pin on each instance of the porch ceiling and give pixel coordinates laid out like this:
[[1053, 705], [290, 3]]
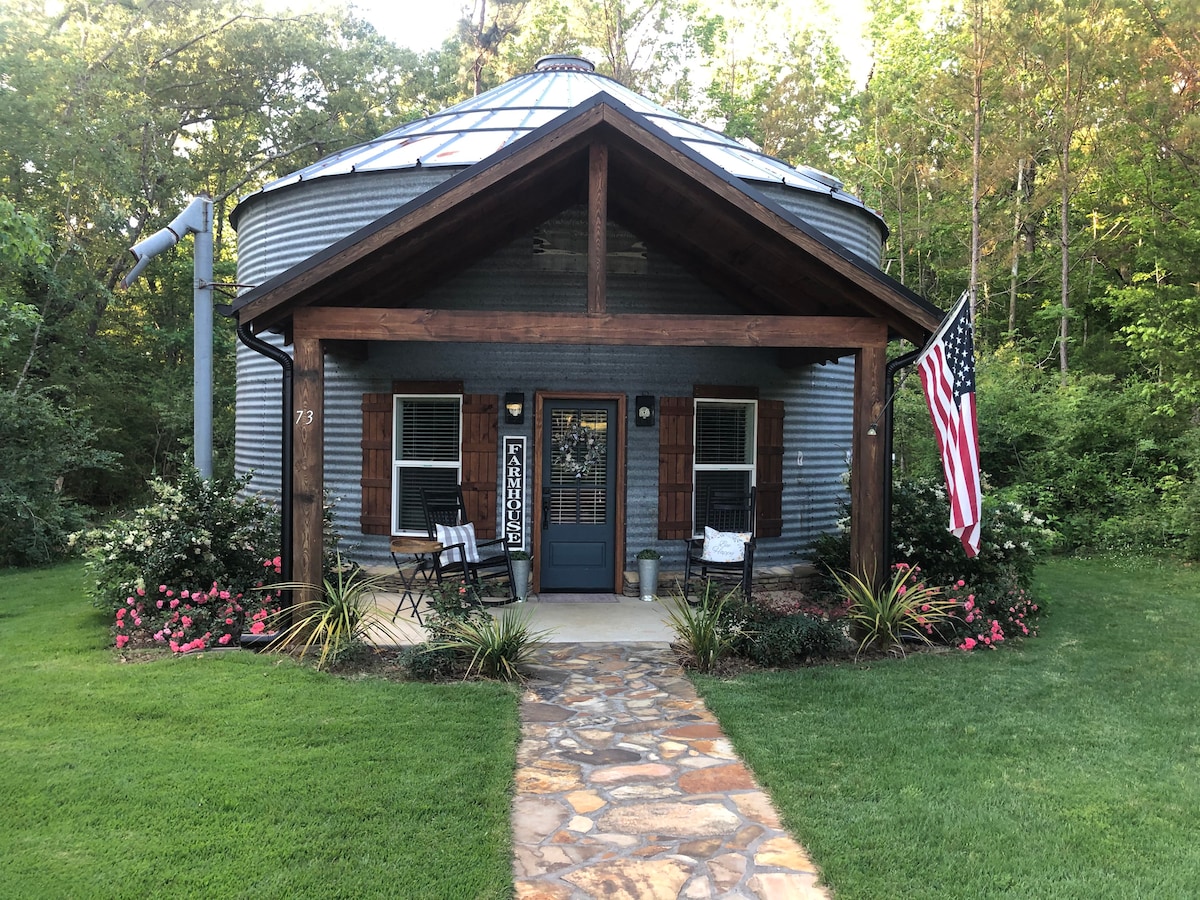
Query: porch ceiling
[[761, 257]]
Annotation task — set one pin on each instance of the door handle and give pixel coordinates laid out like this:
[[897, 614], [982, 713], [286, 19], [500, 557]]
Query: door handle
[[545, 508]]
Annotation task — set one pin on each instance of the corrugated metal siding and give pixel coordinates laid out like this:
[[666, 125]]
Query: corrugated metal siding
[[858, 231], [816, 423], [512, 278], [278, 231], [281, 229], [817, 435]]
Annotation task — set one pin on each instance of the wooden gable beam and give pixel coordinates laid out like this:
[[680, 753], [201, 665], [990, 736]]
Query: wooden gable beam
[[644, 330], [597, 219]]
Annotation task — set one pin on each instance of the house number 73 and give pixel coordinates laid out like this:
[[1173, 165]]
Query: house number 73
[[304, 417]]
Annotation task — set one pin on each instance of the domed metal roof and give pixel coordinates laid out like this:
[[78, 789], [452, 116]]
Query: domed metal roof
[[473, 130]]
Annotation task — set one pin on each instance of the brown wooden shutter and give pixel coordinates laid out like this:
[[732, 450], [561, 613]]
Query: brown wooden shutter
[[480, 451], [377, 464], [675, 467], [768, 495]]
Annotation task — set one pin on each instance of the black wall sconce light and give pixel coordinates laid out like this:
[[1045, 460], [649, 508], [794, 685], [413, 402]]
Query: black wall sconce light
[[643, 410], [514, 408]]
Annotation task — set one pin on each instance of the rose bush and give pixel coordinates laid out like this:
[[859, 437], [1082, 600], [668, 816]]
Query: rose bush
[[194, 618], [194, 534]]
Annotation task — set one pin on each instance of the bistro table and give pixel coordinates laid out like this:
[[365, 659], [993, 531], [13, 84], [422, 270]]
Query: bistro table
[[416, 576]]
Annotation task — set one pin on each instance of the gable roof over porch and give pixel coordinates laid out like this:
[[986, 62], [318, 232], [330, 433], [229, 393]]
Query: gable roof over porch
[[762, 257]]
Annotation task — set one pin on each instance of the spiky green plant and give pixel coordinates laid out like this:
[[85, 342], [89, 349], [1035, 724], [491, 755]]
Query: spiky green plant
[[336, 615], [499, 646], [902, 609], [701, 637]]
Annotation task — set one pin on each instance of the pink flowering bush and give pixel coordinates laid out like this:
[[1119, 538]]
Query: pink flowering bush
[[984, 619], [194, 618], [194, 533]]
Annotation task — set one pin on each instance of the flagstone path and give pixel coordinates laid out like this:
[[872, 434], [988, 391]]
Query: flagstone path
[[627, 788]]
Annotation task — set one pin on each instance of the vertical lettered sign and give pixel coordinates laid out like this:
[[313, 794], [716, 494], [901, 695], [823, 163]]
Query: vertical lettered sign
[[514, 492]]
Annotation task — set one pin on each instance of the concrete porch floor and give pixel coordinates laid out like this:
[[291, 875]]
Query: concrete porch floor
[[571, 619]]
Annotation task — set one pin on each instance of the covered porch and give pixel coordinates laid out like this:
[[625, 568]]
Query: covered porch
[[797, 294]]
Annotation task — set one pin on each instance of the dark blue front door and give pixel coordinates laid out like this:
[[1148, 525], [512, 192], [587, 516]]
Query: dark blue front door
[[578, 495]]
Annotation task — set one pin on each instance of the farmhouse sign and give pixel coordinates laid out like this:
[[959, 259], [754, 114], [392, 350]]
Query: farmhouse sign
[[514, 492]]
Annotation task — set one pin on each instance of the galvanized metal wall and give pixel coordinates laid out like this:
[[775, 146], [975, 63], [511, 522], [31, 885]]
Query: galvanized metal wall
[[817, 431], [855, 229], [282, 228], [276, 230]]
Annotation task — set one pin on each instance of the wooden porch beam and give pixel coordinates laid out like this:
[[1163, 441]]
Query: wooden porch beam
[[491, 327], [597, 218]]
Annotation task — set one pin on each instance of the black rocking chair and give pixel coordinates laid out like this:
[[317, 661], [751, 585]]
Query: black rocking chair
[[724, 512], [480, 563]]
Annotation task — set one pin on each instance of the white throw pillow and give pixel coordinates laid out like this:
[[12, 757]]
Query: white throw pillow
[[724, 546], [449, 535]]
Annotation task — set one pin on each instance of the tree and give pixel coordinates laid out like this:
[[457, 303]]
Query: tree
[[114, 114]]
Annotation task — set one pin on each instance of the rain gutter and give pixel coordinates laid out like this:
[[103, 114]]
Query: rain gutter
[[270, 351]]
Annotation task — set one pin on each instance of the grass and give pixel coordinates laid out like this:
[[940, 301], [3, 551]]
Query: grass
[[234, 774], [1066, 767]]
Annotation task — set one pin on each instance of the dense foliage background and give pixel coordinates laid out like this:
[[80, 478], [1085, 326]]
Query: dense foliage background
[[1042, 157]]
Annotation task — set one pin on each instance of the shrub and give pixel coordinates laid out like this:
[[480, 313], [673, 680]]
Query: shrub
[[704, 635], [463, 636], [337, 615], [41, 445], [794, 639], [902, 609], [195, 534], [991, 615], [497, 646], [187, 620], [1012, 537], [425, 662]]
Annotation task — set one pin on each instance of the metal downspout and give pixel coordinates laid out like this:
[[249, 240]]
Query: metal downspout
[[285, 488], [891, 369]]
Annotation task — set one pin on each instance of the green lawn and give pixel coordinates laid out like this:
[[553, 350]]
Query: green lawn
[[1065, 767], [234, 774]]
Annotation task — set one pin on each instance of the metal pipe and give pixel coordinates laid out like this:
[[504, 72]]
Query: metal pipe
[[202, 343], [270, 351], [891, 369], [195, 219]]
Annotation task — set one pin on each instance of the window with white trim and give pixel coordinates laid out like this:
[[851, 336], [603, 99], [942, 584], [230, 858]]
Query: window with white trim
[[724, 443], [426, 453]]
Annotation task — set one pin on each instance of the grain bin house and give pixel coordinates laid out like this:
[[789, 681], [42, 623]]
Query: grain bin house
[[583, 308]]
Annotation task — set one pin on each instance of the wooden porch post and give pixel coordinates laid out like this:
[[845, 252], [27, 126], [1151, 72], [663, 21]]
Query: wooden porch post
[[309, 459], [868, 467]]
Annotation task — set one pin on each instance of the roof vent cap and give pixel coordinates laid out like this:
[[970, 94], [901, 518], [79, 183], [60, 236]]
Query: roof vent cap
[[563, 62], [823, 177]]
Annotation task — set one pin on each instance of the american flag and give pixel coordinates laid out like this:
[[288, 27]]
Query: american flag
[[947, 367]]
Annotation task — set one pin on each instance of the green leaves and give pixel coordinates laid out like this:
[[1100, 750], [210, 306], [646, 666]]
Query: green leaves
[[498, 646], [336, 615], [901, 610], [701, 636]]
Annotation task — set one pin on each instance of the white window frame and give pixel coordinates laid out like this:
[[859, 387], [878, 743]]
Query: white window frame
[[398, 464], [751, 407]]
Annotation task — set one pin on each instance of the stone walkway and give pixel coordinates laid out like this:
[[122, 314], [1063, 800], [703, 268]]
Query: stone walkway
[[626, 788]]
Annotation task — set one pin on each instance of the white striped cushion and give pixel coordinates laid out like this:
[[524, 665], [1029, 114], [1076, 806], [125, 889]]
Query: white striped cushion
[[448, 535]]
